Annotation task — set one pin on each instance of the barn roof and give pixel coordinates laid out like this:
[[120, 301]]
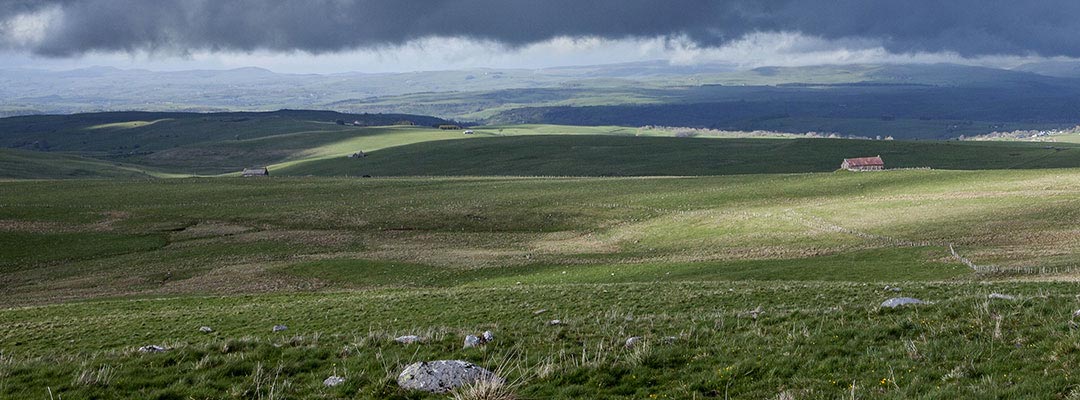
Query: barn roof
[[864, 162]]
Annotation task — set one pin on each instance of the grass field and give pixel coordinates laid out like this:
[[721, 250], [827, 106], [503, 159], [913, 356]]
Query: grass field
[[348, 264], [623, 155]]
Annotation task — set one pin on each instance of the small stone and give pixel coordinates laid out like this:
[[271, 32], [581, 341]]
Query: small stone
[[205, 329], [472, 341], [333, 381], [892, 288], [443, 376], [901, 301], [1000, 296], [559, 321], [633, 341], [540, 311], [407, 339], [487, 336], [752, 313], [279, 328], [152, 349]]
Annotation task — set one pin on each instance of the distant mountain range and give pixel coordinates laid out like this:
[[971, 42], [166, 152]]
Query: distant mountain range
[[908, 100]]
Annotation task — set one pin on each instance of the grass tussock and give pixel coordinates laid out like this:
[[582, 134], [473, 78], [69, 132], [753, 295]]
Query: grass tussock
[[100, 376]]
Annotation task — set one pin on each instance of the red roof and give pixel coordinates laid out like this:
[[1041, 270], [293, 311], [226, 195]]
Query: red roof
[[865, 162]]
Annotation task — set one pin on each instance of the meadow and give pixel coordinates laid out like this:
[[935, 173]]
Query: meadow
[[742, 286]]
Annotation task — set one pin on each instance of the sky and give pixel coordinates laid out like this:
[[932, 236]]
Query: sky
[[328, 36]]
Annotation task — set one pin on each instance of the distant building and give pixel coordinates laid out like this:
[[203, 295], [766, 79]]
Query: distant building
[[469, 132], [863, 164], [262, 171]]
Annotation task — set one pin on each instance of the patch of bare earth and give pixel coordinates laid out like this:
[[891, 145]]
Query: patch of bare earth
[[111, 218], [208, 229], [107, 223], [36, 227], [242, 278], [308, 237]]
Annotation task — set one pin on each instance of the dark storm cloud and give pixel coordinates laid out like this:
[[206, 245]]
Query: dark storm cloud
[[968, 27]]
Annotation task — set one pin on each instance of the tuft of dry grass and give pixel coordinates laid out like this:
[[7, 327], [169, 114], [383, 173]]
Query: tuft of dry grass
[[496, 386], [492, 388], [263, 385], [102, 376]]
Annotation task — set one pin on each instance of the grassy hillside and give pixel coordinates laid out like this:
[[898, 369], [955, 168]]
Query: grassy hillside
[[748, 286], [193, 227], [311, 143], [23, 164], [189, 143], [592, 155]]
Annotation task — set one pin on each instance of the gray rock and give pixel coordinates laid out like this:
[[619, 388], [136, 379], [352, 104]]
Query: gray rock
[[633, 341], [892, 288], [279, 328], [901, 301], [407, 339], [205, 329], [555, 322], [1000, 296], [333, 381], [442, 376], [472, 341], [487, 336], [152, 349]]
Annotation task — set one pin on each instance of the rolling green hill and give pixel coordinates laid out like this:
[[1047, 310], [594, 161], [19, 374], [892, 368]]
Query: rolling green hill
[[594, 155], [311, 143], [188, 143], [23, 164]]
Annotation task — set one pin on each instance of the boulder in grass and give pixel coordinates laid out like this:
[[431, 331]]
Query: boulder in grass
[[407, 339], [443, 376], [555, 322], [333, 381], [472, 341], [487, 336], [633, 341], [205, 329], [153, 348], [279, 328], [901, 301]]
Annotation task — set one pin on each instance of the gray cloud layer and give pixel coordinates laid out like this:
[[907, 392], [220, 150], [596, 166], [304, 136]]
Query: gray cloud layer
[[967, 27]]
